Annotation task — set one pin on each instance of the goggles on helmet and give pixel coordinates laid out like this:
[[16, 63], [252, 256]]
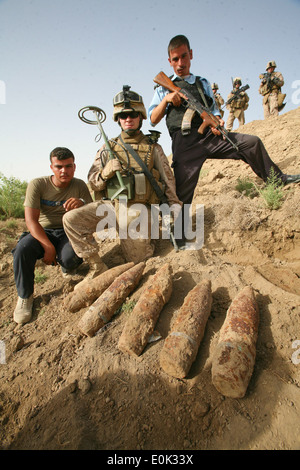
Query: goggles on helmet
[[126, 96]]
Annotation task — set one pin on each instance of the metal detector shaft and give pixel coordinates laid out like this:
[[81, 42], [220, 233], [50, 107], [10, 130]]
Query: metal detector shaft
[[97, 112], [111, 156]]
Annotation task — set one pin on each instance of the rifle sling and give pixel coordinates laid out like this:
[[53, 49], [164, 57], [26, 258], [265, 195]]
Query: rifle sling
[[160, 194]]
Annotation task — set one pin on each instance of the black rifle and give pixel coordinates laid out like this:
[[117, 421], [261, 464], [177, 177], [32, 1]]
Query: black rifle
[[269, 80], [236, 94], [209, 119]]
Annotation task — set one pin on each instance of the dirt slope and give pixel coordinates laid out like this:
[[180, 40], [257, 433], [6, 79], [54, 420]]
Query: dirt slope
[[61, 390]]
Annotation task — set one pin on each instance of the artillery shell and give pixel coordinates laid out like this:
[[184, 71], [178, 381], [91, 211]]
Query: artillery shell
[[234, 356], [145, 314], [181, 345], [101, 311], [86, 294]]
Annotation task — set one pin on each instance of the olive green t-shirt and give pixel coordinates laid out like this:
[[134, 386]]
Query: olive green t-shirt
[[42, 194]]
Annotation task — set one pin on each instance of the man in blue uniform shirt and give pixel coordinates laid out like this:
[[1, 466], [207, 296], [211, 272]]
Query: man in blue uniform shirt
[[190, 149]]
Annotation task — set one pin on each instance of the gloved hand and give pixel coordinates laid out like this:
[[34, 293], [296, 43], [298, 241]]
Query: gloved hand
[[110, 169]]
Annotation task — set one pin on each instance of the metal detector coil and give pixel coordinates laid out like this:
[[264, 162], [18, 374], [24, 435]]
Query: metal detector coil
[[100, 117]]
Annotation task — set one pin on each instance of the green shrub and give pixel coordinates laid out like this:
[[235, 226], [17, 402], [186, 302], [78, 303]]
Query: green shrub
[[40, 277], [12, 196], [272, 192], [246, 186]]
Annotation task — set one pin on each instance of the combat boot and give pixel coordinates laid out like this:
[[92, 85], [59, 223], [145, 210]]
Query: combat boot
[[292, 179], [97, 266], [23, 310]]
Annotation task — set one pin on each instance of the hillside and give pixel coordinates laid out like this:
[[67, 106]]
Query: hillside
[[62, 390]]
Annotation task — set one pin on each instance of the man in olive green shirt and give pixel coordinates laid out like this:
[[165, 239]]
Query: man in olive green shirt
[[47, 200]]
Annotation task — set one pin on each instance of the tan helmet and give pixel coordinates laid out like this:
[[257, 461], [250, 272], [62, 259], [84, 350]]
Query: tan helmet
[[237, 80], [215, 86], [271, 63], [127, 100]]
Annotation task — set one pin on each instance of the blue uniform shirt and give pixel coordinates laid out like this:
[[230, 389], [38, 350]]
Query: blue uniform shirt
[[161, 92]]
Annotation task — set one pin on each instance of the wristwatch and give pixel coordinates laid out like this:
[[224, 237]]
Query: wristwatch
[[82, 200]]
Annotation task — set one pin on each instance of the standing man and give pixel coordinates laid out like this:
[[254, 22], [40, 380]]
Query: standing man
[[238, 104], [218, 98], [47, 200], [129, 112], [191, 149], [270, 89]]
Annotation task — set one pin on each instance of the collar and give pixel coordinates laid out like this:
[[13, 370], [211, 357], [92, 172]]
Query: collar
[[190, 79], [133, 139]]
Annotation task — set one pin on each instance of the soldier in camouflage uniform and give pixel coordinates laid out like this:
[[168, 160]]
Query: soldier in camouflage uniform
[[270, 89], [129, 112], [218, 98], [238, 106]]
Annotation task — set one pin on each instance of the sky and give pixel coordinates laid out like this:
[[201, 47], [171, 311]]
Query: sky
[[59, 56]]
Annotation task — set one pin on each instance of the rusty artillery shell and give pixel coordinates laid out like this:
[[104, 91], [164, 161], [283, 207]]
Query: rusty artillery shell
[[101, 311], [86, 294], [181, 345], [145, 314], [234, 357]]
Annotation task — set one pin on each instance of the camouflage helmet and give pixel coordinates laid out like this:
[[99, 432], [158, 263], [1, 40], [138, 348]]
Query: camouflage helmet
[[215, 86], [237, 80], [127, 100], [271, 63]]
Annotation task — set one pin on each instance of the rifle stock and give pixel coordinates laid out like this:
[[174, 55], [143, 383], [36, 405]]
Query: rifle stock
[[208, 118]]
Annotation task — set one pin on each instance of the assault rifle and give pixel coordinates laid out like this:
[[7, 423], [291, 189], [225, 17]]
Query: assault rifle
[[269, 80], [209, 119], [236, 94]]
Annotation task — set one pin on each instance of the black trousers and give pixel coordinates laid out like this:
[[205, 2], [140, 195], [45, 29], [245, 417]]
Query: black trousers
[[29, 250], [191, 151]]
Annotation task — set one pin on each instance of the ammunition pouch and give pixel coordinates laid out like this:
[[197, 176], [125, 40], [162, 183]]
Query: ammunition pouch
[[113, 185], [138, 188], [281, 98], [144, 193]]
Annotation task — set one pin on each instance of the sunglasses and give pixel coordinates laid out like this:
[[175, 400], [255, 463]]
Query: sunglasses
[[133, 115]]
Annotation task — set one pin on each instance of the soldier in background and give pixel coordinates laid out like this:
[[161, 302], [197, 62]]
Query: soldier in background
[[238, 105], [270, 89], [218, 98]]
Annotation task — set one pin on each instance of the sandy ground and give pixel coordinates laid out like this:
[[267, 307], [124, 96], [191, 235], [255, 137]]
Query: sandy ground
[[62, 390]]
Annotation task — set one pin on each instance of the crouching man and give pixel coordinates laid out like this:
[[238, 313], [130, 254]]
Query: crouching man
[[130, 146], [47, 200]]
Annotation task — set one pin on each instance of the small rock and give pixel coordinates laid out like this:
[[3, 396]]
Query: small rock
[[200, 409], [84, 385], [16, 343]]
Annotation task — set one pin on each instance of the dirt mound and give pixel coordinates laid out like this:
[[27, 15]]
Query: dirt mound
[[62, 390]]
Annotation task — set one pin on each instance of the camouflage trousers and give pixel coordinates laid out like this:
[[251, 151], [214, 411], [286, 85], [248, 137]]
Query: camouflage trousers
[[231, 118], [83, 227], [270, 105]]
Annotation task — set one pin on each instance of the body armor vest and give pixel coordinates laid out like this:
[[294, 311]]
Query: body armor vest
[[175, 113], [143, 191]]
